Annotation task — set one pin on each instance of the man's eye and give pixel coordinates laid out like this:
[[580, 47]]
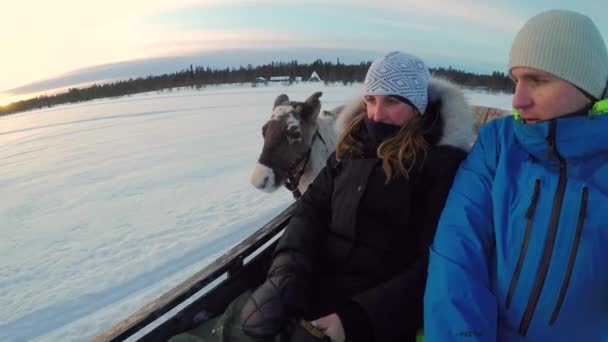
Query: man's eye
[[536, 80]]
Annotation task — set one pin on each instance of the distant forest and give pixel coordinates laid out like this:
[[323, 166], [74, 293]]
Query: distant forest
[[201, 77]]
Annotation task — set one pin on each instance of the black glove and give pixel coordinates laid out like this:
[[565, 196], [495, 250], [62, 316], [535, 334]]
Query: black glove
[[284, 295], [303, 331]]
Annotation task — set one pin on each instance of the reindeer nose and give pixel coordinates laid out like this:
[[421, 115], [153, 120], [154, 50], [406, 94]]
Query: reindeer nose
[[264, 182], [262, 177], [260, 183]]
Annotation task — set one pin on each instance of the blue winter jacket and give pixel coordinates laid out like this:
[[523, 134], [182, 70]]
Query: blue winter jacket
[[521, 250]]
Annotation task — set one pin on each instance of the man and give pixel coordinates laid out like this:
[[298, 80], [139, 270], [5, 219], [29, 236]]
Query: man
[[521, 249]]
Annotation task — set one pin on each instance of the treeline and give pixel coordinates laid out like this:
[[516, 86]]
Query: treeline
[[200, 77], [497, 81]]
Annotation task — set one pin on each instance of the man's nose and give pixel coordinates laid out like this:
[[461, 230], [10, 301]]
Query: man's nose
[[521, 98]]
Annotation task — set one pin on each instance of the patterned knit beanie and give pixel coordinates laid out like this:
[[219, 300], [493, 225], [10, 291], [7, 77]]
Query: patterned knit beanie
[[566, 44], [399, 74]]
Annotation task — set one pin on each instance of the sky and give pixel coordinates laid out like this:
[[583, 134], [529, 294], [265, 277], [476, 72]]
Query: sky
[[44, 40]]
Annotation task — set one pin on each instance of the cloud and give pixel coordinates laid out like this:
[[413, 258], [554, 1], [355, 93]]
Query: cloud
[[470, 12], [41, 39], [179, 43], [212, 59]]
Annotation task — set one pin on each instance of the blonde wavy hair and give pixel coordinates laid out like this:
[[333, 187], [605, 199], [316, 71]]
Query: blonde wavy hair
[[398, 153]]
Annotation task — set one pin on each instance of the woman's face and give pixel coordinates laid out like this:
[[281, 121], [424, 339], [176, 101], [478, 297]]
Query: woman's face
[[387, 109]]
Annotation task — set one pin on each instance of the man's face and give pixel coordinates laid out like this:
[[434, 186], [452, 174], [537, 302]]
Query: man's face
[[541, 96]]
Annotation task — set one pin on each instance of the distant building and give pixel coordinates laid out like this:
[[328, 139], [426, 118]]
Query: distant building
[[314, 77], [282, 79], [259, 80], [298, 79]]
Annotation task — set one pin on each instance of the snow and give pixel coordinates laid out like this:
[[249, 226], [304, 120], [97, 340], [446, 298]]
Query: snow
[[107, 204]]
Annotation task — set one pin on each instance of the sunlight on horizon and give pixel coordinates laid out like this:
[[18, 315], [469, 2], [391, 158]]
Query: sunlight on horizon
[[6, 99]]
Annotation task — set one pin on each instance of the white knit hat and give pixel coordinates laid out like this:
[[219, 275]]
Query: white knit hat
[[401, 75], [566, 44]]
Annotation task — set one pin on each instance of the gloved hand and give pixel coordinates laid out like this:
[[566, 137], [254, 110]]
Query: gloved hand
[[284, 295], [304, 331]]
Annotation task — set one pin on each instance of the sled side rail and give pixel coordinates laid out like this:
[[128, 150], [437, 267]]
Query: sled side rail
[[483, 115], [227, 263]]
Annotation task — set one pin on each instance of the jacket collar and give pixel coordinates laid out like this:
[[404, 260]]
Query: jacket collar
[[576, 136], [455, 113]]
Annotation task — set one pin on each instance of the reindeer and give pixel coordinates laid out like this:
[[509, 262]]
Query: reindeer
[[298, 139]]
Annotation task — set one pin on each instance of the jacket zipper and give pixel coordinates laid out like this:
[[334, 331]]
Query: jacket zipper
[[524, 246], [543, 268], [573, 253]]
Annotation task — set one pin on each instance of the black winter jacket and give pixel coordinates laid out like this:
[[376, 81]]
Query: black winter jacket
[[367, 241]]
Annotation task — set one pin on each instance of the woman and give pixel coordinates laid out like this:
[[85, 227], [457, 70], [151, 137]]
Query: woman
[[353, 258]]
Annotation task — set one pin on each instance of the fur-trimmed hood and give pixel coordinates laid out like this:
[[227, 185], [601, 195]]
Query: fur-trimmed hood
[[455, 112]]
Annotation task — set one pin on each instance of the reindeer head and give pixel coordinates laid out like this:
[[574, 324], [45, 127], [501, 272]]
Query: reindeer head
[[288, 136]]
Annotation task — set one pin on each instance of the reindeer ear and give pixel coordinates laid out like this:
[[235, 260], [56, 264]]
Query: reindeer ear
[[313, 99], [313, 107], [280, 100]]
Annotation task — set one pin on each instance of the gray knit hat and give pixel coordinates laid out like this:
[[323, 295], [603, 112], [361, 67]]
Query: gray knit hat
[[401, 75], [566, 44]]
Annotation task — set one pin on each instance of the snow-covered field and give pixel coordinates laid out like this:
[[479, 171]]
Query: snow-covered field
[[107, 204]]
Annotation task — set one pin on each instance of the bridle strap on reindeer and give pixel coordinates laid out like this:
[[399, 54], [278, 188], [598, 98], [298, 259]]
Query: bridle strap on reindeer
[[295, 173]]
